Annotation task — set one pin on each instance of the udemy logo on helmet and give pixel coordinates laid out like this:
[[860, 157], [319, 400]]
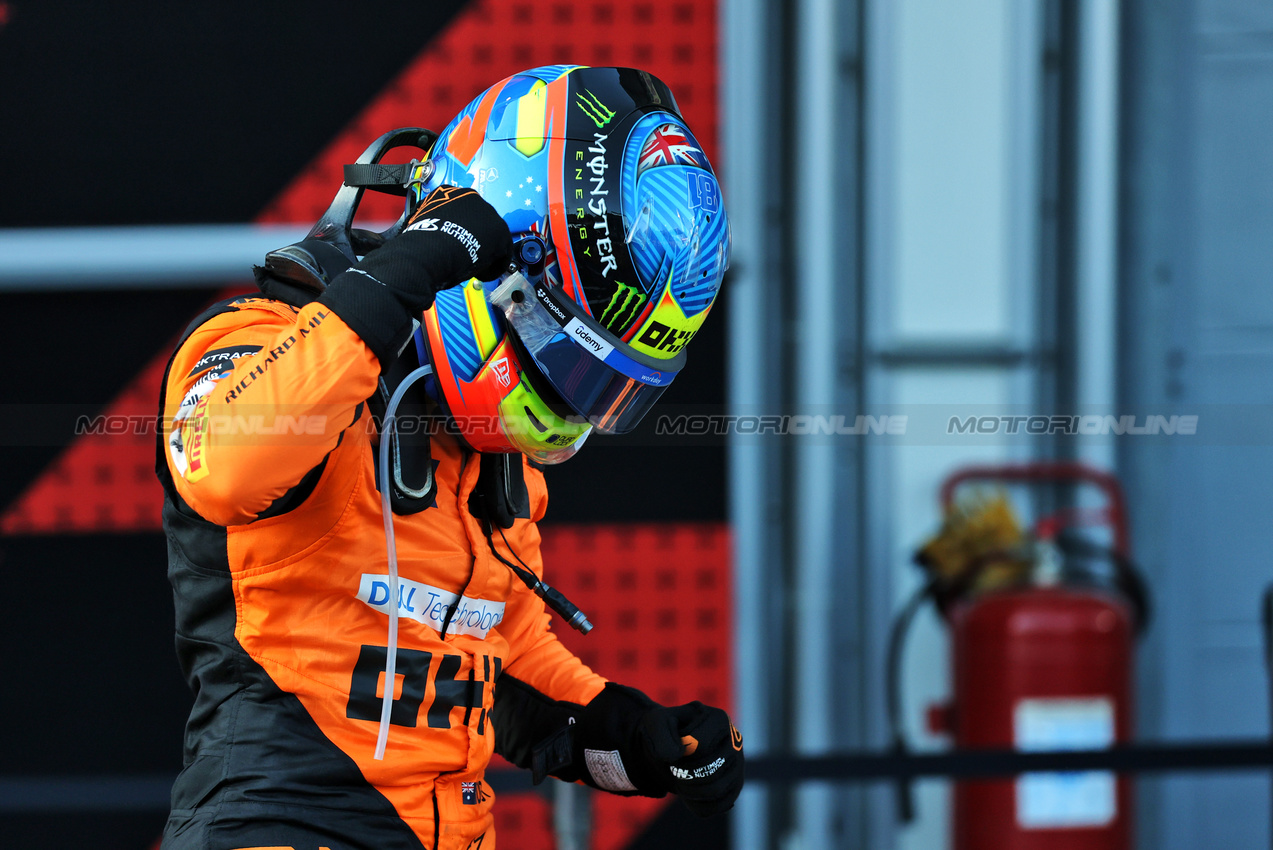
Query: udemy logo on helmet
[[621, 240]]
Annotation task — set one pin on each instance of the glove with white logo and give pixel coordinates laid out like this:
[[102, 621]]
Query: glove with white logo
[[699, 752], [622, 742], [627, 744], [454, 235]]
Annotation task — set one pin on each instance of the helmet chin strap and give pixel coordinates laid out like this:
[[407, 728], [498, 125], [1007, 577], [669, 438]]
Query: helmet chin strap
[[334, 244]]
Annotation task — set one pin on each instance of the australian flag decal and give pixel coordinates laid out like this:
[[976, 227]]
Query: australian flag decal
[[472, 793]]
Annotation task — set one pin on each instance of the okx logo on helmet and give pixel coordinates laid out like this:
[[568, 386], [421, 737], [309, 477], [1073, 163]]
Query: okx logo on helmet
[[621, 240]]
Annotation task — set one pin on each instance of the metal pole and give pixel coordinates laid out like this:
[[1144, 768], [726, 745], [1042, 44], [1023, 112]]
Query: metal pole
[[572, 816], [1097, 217], [747, 69], [816, 364], [142, 257]]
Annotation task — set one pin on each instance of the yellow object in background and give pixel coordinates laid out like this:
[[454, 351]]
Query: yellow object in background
[[981, 546]]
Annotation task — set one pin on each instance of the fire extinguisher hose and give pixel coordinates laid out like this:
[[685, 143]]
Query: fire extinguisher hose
[[893, 690]]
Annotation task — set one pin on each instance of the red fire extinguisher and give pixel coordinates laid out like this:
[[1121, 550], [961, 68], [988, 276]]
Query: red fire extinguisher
[[1042, 653]]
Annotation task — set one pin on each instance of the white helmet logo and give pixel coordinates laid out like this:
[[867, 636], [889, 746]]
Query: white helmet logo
[[501, 370]]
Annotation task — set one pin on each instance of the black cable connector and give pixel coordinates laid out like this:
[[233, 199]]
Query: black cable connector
[[568, 610], [552, 597]]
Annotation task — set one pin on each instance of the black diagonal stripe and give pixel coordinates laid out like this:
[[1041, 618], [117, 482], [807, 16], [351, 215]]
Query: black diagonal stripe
[[189, 138]]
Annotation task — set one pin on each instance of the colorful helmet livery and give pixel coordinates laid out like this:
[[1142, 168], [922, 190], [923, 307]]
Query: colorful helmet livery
[[488, 393], [621, 238]]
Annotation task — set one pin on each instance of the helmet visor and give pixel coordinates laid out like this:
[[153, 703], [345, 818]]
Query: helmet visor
[[585, 364]]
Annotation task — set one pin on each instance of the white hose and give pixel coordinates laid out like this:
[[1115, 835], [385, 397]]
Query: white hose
[[387, 434]]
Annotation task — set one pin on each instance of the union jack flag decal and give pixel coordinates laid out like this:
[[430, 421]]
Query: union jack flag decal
[[670, 144]]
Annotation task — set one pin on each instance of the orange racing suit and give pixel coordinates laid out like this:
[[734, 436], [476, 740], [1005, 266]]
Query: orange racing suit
[[278, 562]]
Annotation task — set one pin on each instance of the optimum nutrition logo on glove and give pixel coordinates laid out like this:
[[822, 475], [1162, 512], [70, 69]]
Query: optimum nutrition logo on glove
[[433, 203], [698, 772]]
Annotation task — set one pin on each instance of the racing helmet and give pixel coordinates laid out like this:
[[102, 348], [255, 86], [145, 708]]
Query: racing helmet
[[620, 243], [493, 400]]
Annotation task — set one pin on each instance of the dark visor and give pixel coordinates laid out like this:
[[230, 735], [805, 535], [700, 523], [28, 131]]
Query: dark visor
[[587, 366]]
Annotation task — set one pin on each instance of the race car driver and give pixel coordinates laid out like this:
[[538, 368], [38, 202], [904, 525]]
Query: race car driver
[[360, 607]]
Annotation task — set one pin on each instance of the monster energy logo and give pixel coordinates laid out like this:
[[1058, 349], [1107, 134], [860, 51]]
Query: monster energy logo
[[628, 306], [594, 108]]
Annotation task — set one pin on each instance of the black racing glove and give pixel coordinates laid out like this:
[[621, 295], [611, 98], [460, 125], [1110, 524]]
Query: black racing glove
[[622, 742], [699, 753], [453, 235], [626, 743]]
